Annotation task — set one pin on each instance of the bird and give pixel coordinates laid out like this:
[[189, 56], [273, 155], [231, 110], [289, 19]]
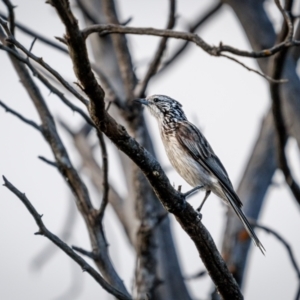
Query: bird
[[192, 156]]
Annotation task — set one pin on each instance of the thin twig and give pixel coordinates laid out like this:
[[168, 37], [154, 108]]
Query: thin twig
[[187, 36], [49, 250], [32, 44], [287, 19], [46, 82], [110, 93], [63, 246], [285, 244], [105, 182], [47, 161], [199, 22], [66, 169], [195, 276], [19, 116], [95, 173], [36, 35], [11, 16], [255, 71], [153, 67], [89, 254], [39, 60]]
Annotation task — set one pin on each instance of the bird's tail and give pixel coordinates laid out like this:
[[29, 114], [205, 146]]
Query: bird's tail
[[246, 224]]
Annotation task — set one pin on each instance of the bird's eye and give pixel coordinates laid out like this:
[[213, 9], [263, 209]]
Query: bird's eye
[[155, 100]]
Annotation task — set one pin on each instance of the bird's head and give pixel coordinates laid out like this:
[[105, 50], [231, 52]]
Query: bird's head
[[164, 108]]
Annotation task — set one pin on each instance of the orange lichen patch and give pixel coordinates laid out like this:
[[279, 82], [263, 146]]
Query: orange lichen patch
[[243, 235], [267, 52]]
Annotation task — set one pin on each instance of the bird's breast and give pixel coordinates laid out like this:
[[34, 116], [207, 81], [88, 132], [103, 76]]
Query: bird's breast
[[189, 169]]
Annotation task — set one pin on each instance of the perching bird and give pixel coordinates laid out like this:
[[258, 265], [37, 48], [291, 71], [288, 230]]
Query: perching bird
[[193, 158]]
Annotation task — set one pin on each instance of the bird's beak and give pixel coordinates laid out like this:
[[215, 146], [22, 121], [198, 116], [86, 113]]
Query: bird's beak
[[142, 101]]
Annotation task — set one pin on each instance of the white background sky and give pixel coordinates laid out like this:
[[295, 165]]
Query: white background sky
[[223, 99]]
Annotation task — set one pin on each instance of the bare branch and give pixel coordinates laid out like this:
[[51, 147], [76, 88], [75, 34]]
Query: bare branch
[[19, 116], [170, 198], [11, 39], [11, 16], [105, 183], [46, 82], [288, 31], [95, 173], [187, 36], [40, 61], [63, 246], [196, 276], [68, 172], [153, 67], [84, 252], [288, 249], [36, 35], [49, 250], [284, 242], [278, 65], [195, 25], [255, 71], [47, 161]]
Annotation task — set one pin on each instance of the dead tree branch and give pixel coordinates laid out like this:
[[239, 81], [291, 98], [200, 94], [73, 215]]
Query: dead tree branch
[[170, 198], [278, 65], [201, 20], [69, 173], [63, 246], [36, 35]]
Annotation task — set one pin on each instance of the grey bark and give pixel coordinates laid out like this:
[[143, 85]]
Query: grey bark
[[262, 164]]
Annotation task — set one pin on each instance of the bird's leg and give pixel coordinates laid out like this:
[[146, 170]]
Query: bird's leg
[[203, 201], [192, 191]]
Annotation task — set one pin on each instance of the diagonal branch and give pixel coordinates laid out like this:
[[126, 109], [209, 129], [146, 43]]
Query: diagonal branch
[[284, 242], [105, 182], [19, 116], [172, 200], [11, 39], [63, 246], [69, 173], [36, 35], [270, 79], [95, 173], [11, 16], [46, 82], [288, 249]]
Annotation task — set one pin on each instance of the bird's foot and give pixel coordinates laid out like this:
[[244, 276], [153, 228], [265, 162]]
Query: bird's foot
[[199, 214], [192, 191]]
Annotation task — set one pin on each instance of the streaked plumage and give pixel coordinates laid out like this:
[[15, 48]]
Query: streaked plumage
[[191, 155]]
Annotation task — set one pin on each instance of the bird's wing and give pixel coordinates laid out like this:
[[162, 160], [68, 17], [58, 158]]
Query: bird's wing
[[196, 144], [189, 136]]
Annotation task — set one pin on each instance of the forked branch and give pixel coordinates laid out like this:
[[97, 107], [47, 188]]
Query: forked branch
[[63, 246]]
